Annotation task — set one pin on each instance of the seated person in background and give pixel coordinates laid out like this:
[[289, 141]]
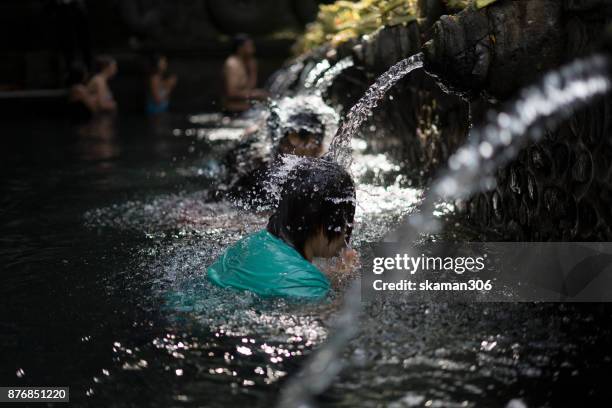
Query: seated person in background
[[251, 162], [82, 104], [106, 68], [314, 219], [160, 86], [240, 77]]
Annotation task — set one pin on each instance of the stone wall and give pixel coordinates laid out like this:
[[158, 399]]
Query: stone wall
[[559, 188]]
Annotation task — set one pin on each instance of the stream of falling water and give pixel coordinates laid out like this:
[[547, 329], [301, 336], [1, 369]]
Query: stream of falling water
[[560, 94], [328, 77], [340, 148], [315, 73]]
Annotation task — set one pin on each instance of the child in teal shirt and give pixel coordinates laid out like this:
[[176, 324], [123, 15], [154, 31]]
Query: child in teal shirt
[[313, 219]]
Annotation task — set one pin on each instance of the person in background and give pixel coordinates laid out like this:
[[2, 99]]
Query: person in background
[[82, 104], [160, 86], [106, 68], [240, 77]]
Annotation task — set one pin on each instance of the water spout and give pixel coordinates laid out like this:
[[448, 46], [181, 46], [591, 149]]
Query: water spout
[[329, 76], [315, 73], [340, 148]]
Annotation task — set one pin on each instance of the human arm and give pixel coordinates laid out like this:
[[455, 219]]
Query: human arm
[[81, 94], [251, 66]]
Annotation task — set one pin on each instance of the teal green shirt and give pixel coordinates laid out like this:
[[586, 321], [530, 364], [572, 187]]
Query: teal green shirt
[[267, 266]]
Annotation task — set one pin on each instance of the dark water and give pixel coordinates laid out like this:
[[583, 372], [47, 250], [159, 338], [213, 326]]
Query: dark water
[[80, 305], [106, 234]]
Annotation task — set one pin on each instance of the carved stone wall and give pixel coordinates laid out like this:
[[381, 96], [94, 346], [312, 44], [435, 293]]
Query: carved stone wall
[[559, 188]]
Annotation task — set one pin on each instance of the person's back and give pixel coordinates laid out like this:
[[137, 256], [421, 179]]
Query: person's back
[[106, 68], [313, 219], [266, 265]]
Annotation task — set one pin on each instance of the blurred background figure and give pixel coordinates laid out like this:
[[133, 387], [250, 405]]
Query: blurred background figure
[[160, 86], [106, 69], [240, 76]]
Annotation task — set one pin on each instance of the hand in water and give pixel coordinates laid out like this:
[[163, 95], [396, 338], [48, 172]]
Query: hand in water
[[339, 268], [349, 260]]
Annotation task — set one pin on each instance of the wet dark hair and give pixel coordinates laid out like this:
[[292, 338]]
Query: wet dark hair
[[238, 41], [102, 62], [316, 194], [305, 123]]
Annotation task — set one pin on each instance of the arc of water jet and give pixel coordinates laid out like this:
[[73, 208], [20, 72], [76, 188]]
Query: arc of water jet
[[340, 148], [316, 72], [325, 81], [286, 77]]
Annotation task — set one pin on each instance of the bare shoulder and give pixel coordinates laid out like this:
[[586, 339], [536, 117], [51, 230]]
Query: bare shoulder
[[95, 82], [232, 62]]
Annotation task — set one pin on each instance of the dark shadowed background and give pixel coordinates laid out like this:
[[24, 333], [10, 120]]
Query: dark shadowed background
[[36, 35]]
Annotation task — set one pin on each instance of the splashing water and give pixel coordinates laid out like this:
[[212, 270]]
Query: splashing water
[[286, 108], [554, 99], [328, 78], [315, 73], [323, 75], [340, 149], [286, 77]]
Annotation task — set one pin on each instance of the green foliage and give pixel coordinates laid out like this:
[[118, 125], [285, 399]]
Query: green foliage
[[344, 20]]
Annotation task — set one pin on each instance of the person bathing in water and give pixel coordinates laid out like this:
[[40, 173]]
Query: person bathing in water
[[240, 77], [160, 86], [313, 219], [106, 69], [251, 163]]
